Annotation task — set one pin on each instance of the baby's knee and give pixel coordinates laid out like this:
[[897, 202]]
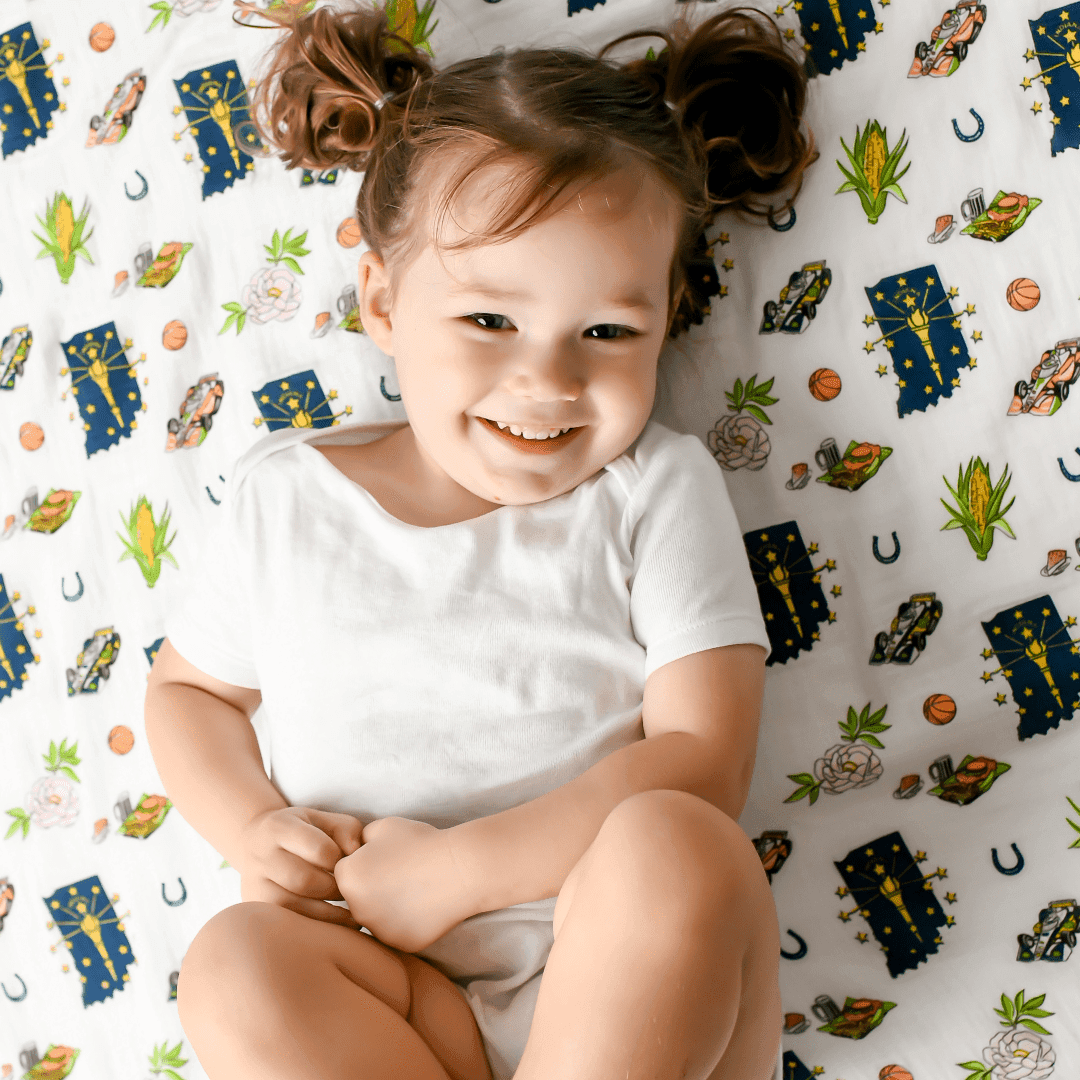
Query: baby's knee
[[676, 846]]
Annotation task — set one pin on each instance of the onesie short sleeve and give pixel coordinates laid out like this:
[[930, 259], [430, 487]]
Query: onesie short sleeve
[[211, 627], [691, 587]]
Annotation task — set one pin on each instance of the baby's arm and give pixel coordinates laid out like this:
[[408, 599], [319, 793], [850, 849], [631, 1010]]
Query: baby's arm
[[204, 746], [700, 715], [205, 750]]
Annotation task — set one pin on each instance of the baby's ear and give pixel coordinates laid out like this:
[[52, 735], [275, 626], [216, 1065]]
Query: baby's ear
[[374, 286]]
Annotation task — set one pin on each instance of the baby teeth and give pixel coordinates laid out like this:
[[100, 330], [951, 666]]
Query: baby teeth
[[526, 433]]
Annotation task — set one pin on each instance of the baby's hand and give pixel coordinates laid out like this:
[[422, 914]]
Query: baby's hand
[[403, 883], [289, 856]]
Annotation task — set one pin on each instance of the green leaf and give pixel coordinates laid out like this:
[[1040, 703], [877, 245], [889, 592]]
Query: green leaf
[[173, 1075], [228, 322], [292, 264], [893, 189], [753, 410], [738, 392], [1035, 1027], [65, 769], [871, 741], [164, 11]]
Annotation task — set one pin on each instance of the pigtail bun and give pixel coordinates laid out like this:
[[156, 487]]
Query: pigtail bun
[[739, 95], [741, 91], [318, 102]]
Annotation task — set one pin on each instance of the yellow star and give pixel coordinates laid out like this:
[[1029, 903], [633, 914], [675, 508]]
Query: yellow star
[[976, 335], [1026, 84], [1036, 107], [836, 592], [1000, 699], [882, 370]]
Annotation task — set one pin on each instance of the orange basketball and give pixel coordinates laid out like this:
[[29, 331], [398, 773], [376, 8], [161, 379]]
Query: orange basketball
[[939, 708], [894, 1072], [102, 36], [1023, 294], [824, 384], [174, 336], [348, 233], [120, 739], [31, 436]]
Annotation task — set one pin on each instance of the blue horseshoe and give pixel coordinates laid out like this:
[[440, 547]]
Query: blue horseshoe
[[1012, 869], [969, 138], [1065, 472], [80, 592], [145, 188], [795, 955], [21, 996], [216, 502], [183, 894], [887, 558], [787, 224], [382, 387]]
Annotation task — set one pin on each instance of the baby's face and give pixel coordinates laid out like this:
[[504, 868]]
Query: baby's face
[[560, 327]]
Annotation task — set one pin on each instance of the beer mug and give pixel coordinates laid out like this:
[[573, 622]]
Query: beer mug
[[144, 257], [30, 502], [973, 206], [941, 768], [122, 807], [347, 300], [828, 455], [28, 1056], [824, 1008]]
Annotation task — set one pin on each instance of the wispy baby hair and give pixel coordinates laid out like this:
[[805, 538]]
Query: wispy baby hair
[[717, 115]]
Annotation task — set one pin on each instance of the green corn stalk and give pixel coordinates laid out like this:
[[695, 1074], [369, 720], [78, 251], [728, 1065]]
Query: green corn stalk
[[65, 235], [874, 167], [410, 24], [978, 509], [146, 542]]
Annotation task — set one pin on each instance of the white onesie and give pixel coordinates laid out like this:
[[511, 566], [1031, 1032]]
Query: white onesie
[[449, 673]]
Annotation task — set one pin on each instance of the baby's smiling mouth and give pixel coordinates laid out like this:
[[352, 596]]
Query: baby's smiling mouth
[[537, 433], [529, 442]]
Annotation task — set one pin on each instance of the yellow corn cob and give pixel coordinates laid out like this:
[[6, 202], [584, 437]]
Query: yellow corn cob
[[144, 532], [64, 226], [874, 162], [978, 496]]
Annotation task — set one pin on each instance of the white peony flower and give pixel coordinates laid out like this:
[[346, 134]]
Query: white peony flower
[[53, 802], [739, 442], [1019, 1054], [847, 766], [272, 294]]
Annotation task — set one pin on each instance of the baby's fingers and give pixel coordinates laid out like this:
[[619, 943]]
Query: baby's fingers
[[270, 892], [297, 875], [307, 833]]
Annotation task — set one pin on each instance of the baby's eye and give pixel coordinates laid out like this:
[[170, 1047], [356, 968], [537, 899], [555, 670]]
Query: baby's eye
[[489, 318]]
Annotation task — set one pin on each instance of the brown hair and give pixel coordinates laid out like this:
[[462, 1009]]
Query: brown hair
[[561, 116]]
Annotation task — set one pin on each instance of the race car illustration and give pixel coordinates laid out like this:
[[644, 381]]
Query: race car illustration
[[98, 655], [949, 41], [7, 894], [798, 301], [196, 413], [1056, 371], [915, 621], [1054, 936], [13, 354], [113, 125], [773, 848]]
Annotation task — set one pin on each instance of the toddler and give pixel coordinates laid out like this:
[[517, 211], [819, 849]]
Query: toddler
[[508, 653]]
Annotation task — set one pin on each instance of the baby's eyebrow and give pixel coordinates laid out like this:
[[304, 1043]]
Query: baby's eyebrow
[[498, 292]]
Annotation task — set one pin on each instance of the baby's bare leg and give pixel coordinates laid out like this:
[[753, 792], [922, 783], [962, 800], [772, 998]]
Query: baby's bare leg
[[666, 957], [266, 993]]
